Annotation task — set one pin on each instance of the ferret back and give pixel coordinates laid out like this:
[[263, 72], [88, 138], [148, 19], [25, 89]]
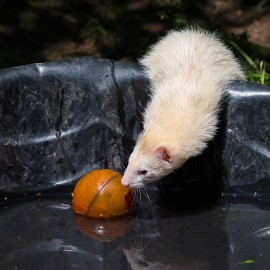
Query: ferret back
[[191, 52]]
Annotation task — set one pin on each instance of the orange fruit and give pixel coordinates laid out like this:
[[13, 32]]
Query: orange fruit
[[100, 194]]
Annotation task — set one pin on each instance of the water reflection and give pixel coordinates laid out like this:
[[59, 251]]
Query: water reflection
[[102, 230], [226, 235]]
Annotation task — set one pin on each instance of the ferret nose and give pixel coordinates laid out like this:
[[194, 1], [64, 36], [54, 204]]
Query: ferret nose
[[124, 182]]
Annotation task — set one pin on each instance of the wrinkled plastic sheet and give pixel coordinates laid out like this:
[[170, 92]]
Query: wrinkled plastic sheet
[[60, 120]]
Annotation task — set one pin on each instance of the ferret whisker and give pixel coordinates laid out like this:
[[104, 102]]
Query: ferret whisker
[[150, 199], [144, 189], [132, 195], [147, 244], [138, 242], [161, 186], [140, 194], [136, 197], [122, 166], [142, 242], [127, 152]]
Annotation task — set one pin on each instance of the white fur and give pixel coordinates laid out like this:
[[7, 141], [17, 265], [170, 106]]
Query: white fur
[[189, 72]]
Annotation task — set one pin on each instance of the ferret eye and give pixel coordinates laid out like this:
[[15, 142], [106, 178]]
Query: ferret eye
[[143, 172]]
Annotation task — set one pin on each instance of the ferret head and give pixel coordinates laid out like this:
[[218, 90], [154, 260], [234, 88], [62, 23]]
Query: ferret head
[[148, 162]]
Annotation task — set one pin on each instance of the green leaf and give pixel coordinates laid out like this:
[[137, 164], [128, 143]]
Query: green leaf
[[245, 56], [248, 261]]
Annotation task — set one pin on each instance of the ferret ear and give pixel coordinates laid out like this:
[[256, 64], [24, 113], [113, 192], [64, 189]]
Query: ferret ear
[[163, 153]]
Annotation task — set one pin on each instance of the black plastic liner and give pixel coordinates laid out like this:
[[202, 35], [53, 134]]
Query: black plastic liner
[[60, 120]]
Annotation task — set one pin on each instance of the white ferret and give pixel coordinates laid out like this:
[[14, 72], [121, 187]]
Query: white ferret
[[189, 73]]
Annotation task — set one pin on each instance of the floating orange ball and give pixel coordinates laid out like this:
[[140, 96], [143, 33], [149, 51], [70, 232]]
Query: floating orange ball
[[100, 194]]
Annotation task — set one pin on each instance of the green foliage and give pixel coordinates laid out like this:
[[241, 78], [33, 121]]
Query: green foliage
[[256, 70], [244, 262], [46, 30]]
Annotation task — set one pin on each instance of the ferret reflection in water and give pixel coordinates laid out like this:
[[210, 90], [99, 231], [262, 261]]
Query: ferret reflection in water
[[189, 72]]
